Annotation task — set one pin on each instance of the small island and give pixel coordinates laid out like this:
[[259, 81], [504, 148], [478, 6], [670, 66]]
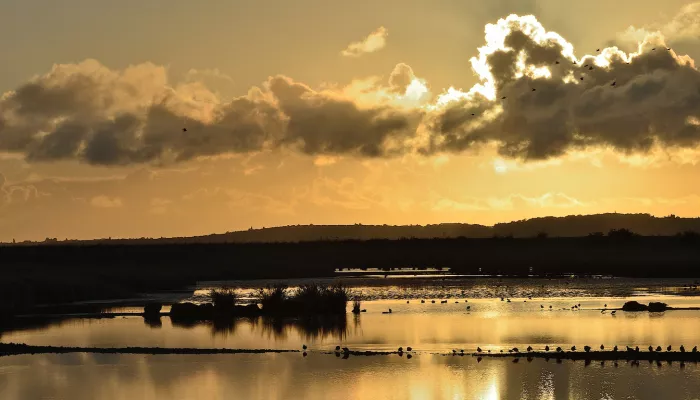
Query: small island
[[275, 301]]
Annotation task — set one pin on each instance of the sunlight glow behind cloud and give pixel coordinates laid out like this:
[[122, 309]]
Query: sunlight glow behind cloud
[[535, 99]]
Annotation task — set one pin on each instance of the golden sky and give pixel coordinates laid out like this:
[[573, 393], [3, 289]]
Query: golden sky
[[331, 112]]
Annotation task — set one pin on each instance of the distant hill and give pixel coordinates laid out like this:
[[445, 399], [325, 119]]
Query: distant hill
[[569, 226]]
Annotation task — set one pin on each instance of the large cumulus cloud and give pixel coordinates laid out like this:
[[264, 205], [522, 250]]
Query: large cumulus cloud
[[99, 116], [536, 98]]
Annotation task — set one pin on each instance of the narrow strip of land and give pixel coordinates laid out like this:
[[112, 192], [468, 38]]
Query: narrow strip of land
[[601, 355], [9, 349]]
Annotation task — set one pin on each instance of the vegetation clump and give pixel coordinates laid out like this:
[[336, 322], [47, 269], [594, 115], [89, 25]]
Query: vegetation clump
[[223, 299], [657, 307], [652, 307], [310, 299], [222, 306], [152, 310], [276, 301], [634, 306]]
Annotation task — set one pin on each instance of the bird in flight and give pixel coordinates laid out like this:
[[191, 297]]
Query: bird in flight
[[184, 129]]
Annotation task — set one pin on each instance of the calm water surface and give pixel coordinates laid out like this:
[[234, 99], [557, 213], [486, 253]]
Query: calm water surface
[[430, 328], [490, 323], [320, 376]]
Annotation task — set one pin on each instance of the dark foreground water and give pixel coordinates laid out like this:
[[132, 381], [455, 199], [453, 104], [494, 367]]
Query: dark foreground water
[[321, 376]]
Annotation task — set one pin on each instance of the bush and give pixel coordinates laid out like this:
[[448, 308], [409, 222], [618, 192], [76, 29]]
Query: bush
[[657, 307], [223, 299], [306, 300], [622, 233], [272, 297], [152, 309], [634, 306]]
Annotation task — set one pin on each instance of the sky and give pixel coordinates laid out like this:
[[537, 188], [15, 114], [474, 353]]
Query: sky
[[175, 118]]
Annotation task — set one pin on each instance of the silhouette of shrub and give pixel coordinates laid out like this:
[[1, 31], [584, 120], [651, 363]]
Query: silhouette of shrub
[[152, 309], [306, 300], [223, 299], [272, 297], [657, 307], [621, 233], [634, 306]]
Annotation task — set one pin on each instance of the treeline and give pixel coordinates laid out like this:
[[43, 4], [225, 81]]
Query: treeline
[[53, 274]]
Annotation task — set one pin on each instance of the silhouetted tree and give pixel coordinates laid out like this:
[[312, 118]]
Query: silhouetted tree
[[621, 233]]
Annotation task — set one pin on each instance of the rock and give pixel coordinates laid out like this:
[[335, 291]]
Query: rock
[[657, 307], [634, 306]]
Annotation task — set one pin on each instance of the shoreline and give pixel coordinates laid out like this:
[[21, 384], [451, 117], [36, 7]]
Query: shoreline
[[605, 355], [14, 349]]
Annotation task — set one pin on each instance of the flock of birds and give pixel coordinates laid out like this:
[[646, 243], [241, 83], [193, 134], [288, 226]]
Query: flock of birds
[[575, 307], [590, 68], [345, 352], [587, 349]]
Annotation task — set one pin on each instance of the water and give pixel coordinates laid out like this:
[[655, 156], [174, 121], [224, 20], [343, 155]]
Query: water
[[402, 286], [428, 327], [432, 329], [320, 376]]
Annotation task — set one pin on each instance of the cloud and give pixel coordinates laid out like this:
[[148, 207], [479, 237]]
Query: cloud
[[320, 161], [684, 26], [106, 202], [373, 42], [510, 202], [18, 193], [196, 74], [96, 115], [654, 97], [99, 116], [159, 205]]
